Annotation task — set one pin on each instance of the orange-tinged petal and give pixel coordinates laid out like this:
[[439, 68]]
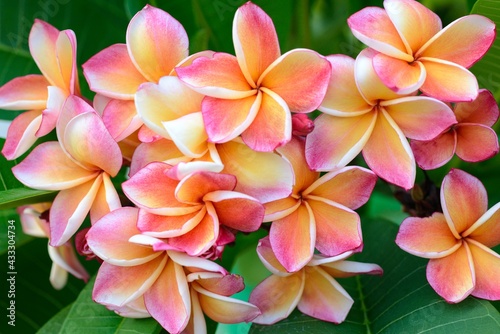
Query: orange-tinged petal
[[66, 61], [194, 187], [408, 14], [300, 77], [336, 141], [106, 200], [197, 323], [373, 27], [323, 297], [224, 309], [117, 286], [263, 175], [483, 110], [342, 96], [168, 299], [436, 152], [109, 238], [350, 186], [463, 199], [464, 41], [338, 228], [448, 81], [486, 229], [280, 208], [410, 113], [69, 209], [168, 226], [189, 134], [272, 125], [399, 75], [218, 76], [226, 119], [57, 173], [476, 142], [22, 134], [225, 285], [487, 270], [293, 238], [22, 93], [112, 73], [453, 276], [388, 153], [428, 237], [156, 42], [275, 302], [255, 41], [160, 150], [268, 258]]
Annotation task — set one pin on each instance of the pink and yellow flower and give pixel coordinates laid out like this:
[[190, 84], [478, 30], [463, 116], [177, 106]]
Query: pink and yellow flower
[[361, 114], [174, 288], [472, 138], [253, 93], [415, 52], [458, 241], [313, 289], [319, 213], [43, 94], [80, 165]]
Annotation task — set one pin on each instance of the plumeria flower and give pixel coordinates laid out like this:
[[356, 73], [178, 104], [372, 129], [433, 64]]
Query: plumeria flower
[[415, 52], [313, 289], [80, 165], [43, 94], [253, 93], [458, 241], [174, 288], [361, 114], [319, 211], [190, 211], [472, 138], [64, 259]]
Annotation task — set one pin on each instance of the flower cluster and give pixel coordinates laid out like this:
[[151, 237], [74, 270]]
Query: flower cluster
[[216, 144]]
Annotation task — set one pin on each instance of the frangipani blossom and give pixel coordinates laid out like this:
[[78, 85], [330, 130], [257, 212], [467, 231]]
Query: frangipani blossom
[[43, 94], [472, 138], [64, 258], [79, 165], [319, 211], [458, 241], [414, 52], [252, 94], [361, 114], [190, 211], [313, 289], [174, 288]]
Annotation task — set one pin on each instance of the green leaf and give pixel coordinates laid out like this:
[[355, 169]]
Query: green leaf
[[401, 301], [56, 322], [20, 196]]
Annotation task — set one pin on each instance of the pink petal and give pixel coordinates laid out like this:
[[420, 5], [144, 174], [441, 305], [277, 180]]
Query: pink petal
[[112, 73], [272, 125], [274, 302], [236, 210], [476, 142], [69, 209], [324, 298], [300, 77], [487, 270], [373, 27], [436, 152], [22, 93], [463, 41], [156, 42], [255, 41], [121, 119], [224, 285], [168, 300], [219, 76], [463, 199], [342, 269], [483, 110], [195, 264], [268, 258], [486, 229], [338, 228], [293, 238], [168, 226], [428, 237], [388, 153], [452, 276], [194, 187], [56, 173], [410, 113], [399, 75], [448, 81], [21, 134], [161, 150], [336, 141]]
